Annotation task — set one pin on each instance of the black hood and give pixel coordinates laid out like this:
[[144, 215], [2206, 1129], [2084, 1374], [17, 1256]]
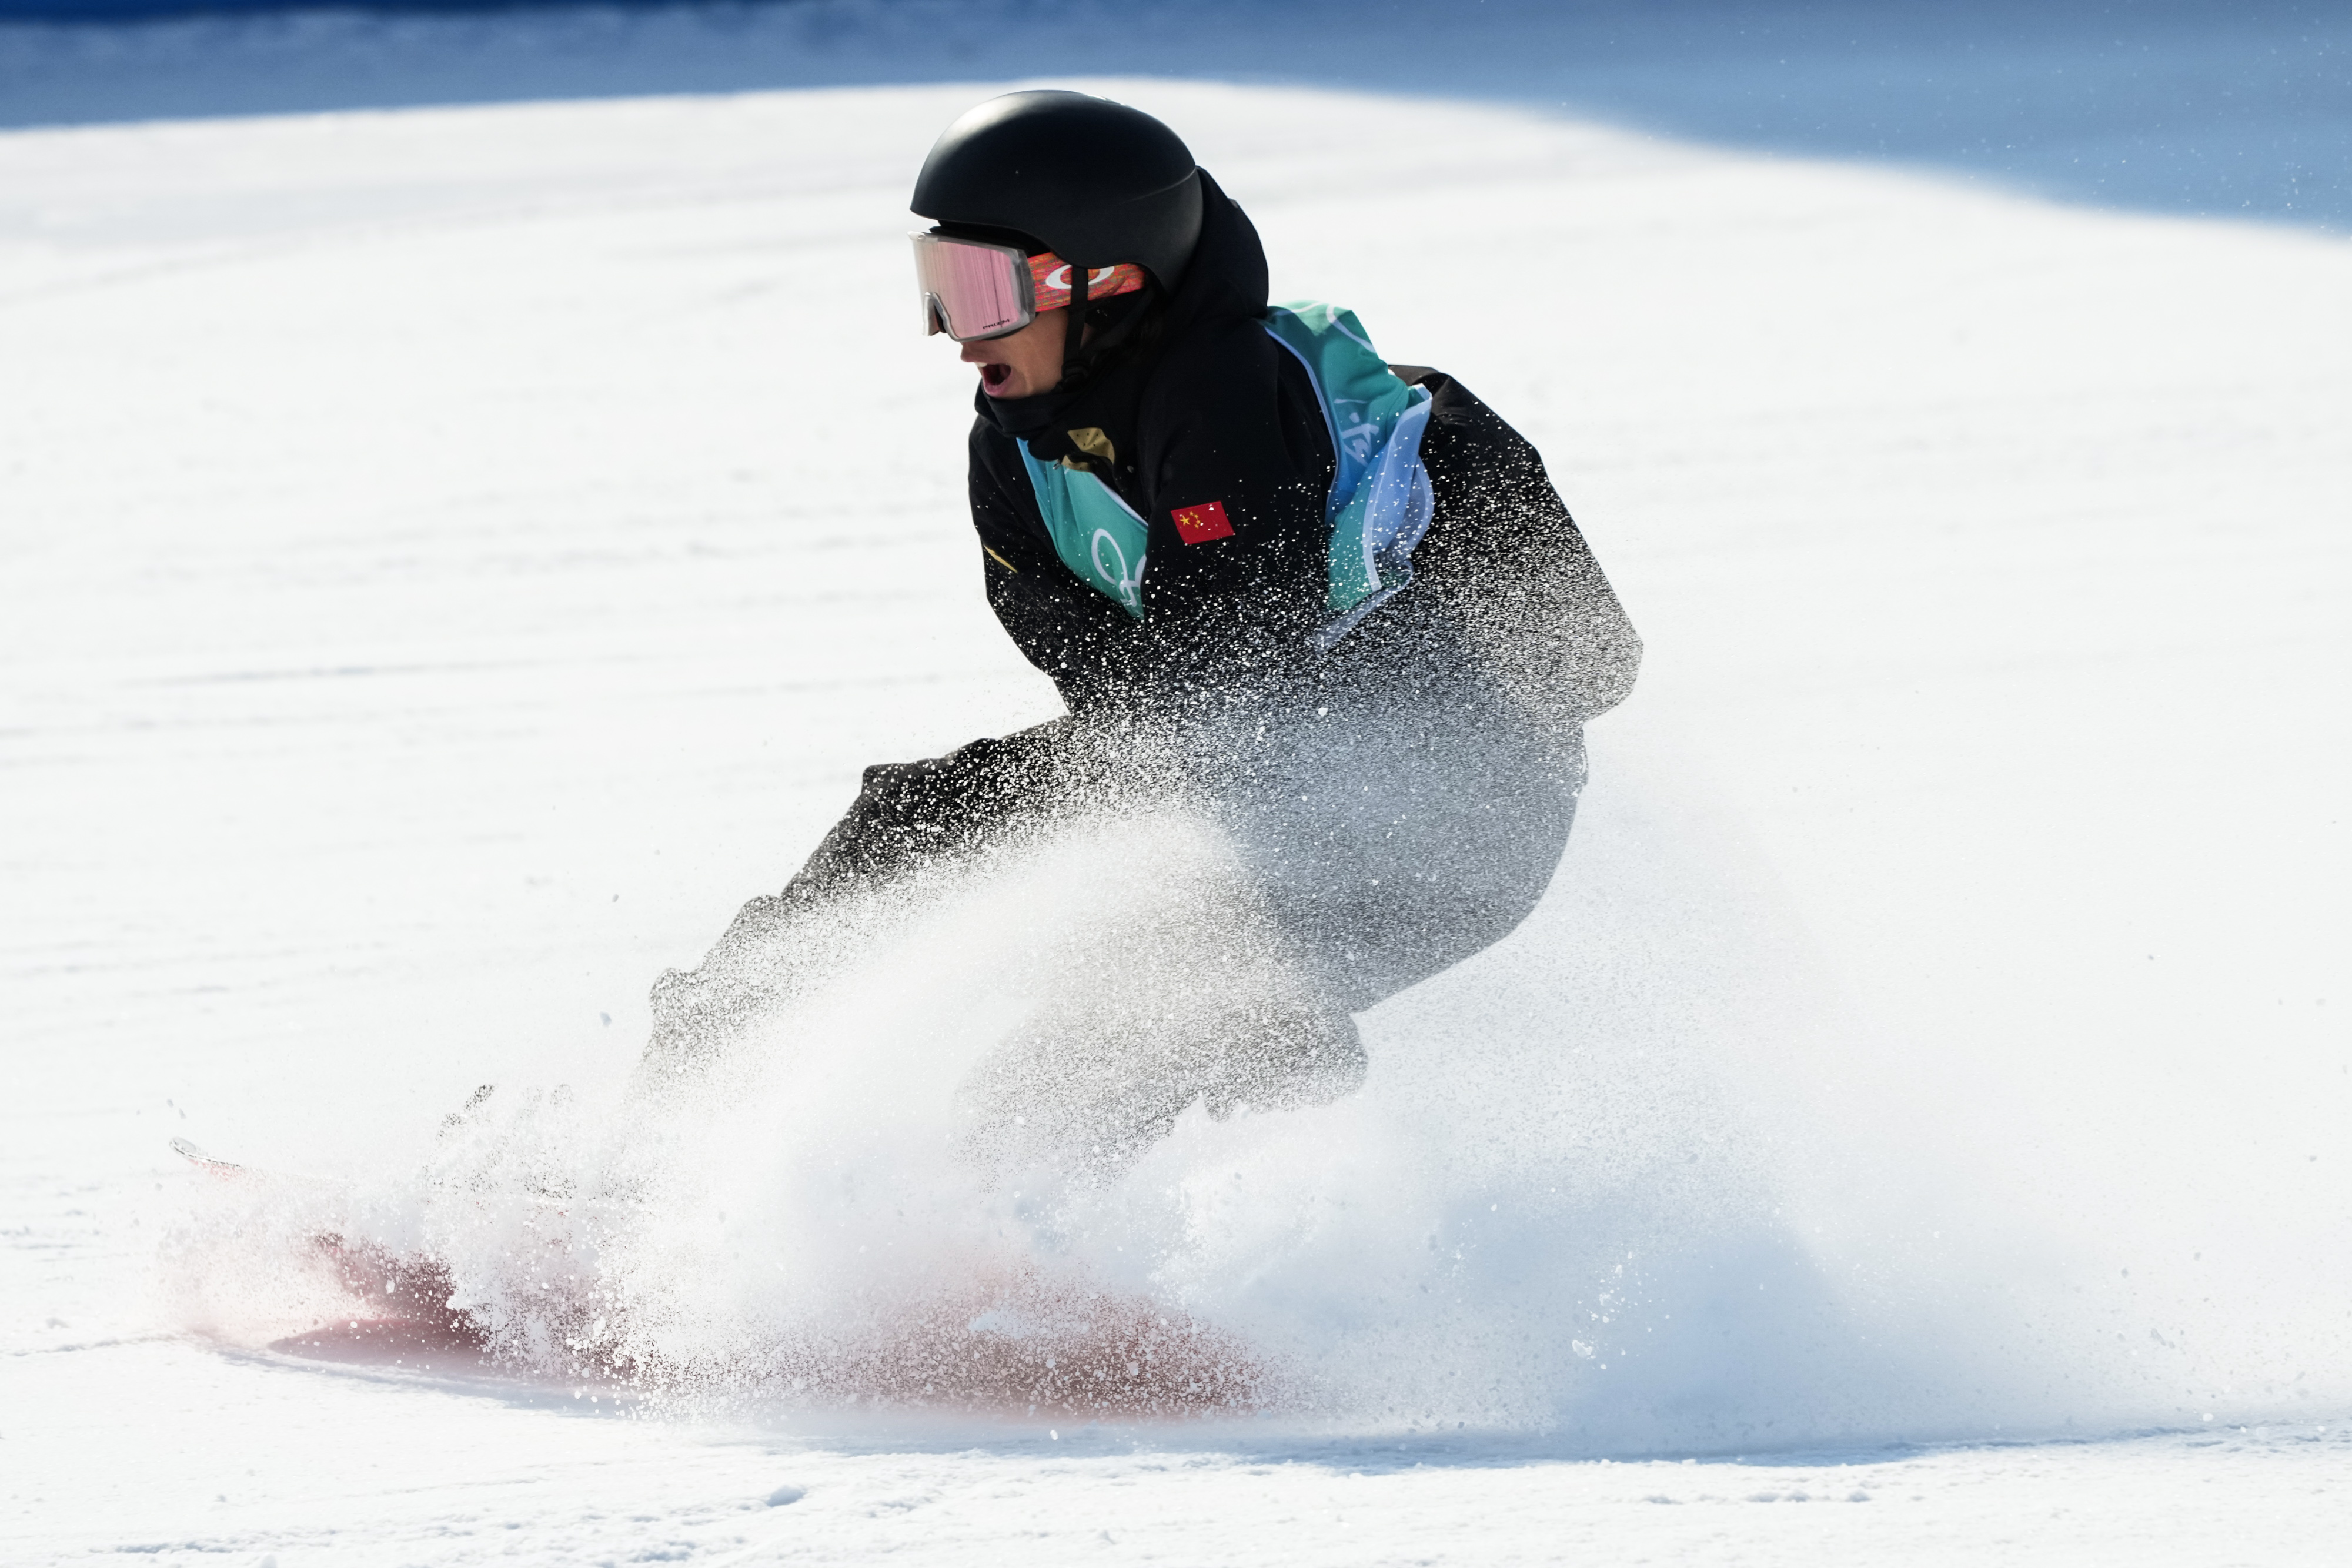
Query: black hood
[[1226, 278], [1225, 281]]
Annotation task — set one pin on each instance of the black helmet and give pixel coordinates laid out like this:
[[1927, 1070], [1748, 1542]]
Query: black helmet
[[1095, 182]]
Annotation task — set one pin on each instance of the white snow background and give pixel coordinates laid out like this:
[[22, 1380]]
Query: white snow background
[[454, 556]]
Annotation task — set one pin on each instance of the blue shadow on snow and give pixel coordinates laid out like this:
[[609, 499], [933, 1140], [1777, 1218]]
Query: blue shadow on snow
[[2214, 110]]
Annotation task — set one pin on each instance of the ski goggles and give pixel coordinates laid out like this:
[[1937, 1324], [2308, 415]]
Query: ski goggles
[[972, 290]]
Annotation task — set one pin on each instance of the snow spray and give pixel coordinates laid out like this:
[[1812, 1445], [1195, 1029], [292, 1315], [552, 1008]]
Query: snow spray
[[1640, 1177]]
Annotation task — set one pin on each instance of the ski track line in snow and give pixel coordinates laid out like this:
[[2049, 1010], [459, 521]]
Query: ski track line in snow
[[1927, 1037]]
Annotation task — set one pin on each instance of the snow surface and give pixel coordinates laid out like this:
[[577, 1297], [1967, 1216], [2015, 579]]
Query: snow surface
[[456, 556], [2242, 110]]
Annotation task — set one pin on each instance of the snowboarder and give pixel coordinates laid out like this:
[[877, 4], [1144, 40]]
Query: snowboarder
[[1333, 605]]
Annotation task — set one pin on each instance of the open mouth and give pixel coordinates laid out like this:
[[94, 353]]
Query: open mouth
[[995, 375]]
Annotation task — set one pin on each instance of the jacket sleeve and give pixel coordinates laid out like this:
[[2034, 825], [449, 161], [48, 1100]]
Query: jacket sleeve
[[1513, 565]]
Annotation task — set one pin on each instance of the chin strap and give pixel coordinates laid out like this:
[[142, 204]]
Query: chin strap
[[1073, 341]]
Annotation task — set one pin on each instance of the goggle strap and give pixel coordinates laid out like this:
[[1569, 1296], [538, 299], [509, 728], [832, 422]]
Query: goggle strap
[[1102, 282]]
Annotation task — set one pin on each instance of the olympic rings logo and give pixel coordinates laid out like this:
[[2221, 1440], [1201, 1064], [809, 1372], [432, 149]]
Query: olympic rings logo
[[1126, 588]]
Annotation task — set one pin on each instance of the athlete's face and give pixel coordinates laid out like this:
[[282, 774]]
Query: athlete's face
[[1023, 363]]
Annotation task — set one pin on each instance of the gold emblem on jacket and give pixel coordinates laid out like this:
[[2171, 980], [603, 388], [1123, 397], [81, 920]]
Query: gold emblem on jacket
[[1096, 454]]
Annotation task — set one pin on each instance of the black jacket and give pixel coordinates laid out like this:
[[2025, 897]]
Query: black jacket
[[1206, 406]]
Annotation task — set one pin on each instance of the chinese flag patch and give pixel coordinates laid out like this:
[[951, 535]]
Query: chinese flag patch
[[1199, 525]]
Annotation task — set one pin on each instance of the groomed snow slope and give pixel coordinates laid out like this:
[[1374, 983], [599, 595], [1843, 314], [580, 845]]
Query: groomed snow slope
[[446, 576], [2175, 106]]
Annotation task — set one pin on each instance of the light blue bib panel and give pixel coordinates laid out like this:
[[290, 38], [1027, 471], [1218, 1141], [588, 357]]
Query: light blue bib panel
[[1380, 502], [1097, 535]]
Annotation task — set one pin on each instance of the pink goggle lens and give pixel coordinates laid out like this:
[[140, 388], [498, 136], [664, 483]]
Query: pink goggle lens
[[972, 290]]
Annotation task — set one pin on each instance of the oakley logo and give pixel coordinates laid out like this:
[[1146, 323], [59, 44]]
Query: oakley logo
[[1058, 280], [1049, 276]]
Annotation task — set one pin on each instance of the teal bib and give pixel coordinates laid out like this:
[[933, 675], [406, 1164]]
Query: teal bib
[[1378, 508], [1380, 502], [1097, 535]]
